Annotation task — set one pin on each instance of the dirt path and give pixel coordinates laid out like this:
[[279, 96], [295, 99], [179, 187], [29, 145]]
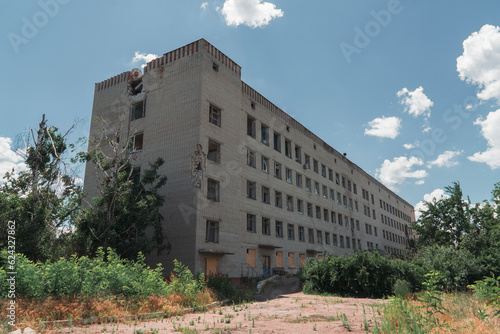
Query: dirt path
[[281, 310]]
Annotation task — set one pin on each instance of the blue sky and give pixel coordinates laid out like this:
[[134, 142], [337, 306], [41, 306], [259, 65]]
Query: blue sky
[[410, 90]]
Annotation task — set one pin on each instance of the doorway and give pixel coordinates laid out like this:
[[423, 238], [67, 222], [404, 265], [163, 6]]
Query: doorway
[[266, 265]]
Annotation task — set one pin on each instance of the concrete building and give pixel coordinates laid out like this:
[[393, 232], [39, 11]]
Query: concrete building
[[250, 190]]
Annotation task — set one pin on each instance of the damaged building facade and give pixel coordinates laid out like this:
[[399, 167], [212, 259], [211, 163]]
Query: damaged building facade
[[250, 190]]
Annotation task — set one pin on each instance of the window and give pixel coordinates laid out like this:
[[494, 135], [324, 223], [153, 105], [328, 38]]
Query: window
[[291, 260], [354, 189], [251, 258], [327, 238], [323, 170], [325, 215], [277, 141], [251, 158], [288, 175], [266, 226], [356, 205], [265, 195], [212, 234], [279, 259], [277, 170], [251, 189], [298, 180], [251, 222], [138, 110], [375, 231], [319, 237], [318, 212], [251, 126], [339, 198], [309, 209], [337, 178], [265, 164], [343, 182], [300, 206], [214, 115], [291, 232], [357, 225], [332, 195], [264, 134], [339, 220], [137, 142], [373, 199], [307, 161], [213, 190], [344, 198], [213, 151], [301, 234], [288, 148], [279, 229], [316, 188], [374, 214], [348, 185], [302, 260], [298, 154], [348, 242], [325, 192], [289, 203], [333, 217], [315, 166], [308, 184], [330, 174], [334, 240], [350, 203], [341, 241], [346, 221], [310, 235], [278, 198]]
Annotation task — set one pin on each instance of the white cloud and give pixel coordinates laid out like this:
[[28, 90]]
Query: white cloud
[[385, 127], [416, 103], [490, 129], [252, 13], [479, 62], [445, 159], [420, 182], [394, 173], [409, 146], [435, 195], [143, 57], [204, 5], [8, 158]]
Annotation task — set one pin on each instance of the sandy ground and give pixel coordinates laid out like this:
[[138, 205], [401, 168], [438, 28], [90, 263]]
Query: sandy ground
[[281, 310]]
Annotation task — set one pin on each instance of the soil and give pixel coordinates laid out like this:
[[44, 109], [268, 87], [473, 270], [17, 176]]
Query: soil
[[280, 308]]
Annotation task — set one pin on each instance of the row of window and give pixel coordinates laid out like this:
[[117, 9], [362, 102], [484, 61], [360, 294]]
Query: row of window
[[251, 259], [392, 210], [393, 223], [393, 237]]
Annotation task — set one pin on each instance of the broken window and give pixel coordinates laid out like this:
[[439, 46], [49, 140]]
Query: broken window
[[251, 126], [279, 229], [214, 114], [264, 134], [266, 226], [291, 232], [213, 151], [288, 148], [251, 222], [138, 110], [135, 83], [212, 231], [213, 190], [137, 142], [277, 141]]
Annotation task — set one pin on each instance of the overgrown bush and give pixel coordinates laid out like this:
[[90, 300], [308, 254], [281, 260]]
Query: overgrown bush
[[365, 274], [221, 286]]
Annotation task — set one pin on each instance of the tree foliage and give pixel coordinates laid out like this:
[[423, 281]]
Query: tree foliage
[[42, 199], [125, 216]]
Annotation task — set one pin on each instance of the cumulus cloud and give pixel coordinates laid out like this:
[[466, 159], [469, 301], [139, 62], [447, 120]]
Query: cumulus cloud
[[409, 146], [394, 173], [435, 195], [8, 158], [490, 129], [416, 103], [385, 127], [252, 13], [143, 57], [446, 159], [204, 5], [479, 62]]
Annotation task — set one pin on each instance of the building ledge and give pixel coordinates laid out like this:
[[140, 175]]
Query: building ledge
[[214, 252]]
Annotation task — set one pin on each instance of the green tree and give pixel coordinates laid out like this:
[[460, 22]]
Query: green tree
[[42, 199], [125, 216], [446, 222]]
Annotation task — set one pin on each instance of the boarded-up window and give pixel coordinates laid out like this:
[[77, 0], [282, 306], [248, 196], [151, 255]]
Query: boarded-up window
[[210, 266], [279, 259], [302, 260], [251, 257], [291, 260]]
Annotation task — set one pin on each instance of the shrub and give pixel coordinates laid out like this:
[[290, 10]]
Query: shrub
[[221, 286]]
